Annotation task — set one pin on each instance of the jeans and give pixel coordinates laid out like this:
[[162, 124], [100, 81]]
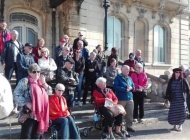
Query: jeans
[[79, 88], [68, 128], [70, 99]]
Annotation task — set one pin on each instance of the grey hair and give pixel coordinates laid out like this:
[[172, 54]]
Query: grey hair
[[93, 53], [64, 48], [99, 80], [182, 67], [187, 72], [59, 86], [80, 42], [14, 31], [33, 66], [125, 67], [138, 65], [138, 50]]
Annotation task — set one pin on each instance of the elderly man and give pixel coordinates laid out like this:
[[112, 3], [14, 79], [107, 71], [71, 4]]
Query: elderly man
[[69, 78], [9, 55], [80, 37], [62, 58], [124, 86], [58, 49], [91, 70], [84, 51], [24, 60], [138, 58]]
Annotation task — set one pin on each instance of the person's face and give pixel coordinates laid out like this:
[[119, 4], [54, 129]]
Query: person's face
[[59, 92], [67, 39], [41, 43], [102, 85], [77, 52], [35, 74], [139, 69], [80, 37], [80, 45], [177, 74], [65, 51], [61, 44], [92, 57], [99, 48], [14, 36], [44, 53], [69, 65], [113, 64], [3, 25], [125, 71], [131, 58], [28, 49], [138, 54]]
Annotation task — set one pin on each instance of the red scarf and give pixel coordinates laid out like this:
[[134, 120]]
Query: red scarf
[[40, 105], [46, 57]]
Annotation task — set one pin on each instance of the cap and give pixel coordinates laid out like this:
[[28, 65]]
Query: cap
[[28, 45], [176, 69], [131, 55], [70, 60], [62, 40], [80, 33]]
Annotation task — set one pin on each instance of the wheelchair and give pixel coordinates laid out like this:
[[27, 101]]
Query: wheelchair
[[100, 124]]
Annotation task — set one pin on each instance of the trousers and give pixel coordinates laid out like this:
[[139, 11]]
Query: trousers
[[138, 105]]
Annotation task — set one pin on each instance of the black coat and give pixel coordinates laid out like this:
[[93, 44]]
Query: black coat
[[185, 89], [85, 43], [94, 65]]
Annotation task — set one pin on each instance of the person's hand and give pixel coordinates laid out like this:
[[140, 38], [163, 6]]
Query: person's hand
[[109, 100], [129, 88], [42, 79], [3, 65], [77, 74], [132, 69], [91, 70], [29, 105], [72, 79]]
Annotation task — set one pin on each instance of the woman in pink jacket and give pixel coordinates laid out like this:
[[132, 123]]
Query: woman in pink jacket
[[140, 81]]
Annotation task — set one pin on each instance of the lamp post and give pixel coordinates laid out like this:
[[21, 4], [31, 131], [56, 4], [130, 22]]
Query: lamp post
[[106, 5]]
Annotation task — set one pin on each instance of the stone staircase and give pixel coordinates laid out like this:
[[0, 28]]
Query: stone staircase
[[10, 128]]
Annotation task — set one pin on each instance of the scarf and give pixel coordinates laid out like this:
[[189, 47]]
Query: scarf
[[46, 57], [40, 105]]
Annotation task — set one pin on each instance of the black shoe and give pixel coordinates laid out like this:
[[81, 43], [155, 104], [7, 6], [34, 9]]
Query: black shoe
[[130, 129], [84, 103]]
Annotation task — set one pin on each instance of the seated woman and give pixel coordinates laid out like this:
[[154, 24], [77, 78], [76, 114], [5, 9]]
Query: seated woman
[[101, 94], [60, 115], [47, 65]]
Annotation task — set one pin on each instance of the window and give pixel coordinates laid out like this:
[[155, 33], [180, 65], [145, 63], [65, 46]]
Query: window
[[114, 33], [159, 44]]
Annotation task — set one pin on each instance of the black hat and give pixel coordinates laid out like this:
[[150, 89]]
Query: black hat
[[131, 55], [28, 45], [70, 60], [176, 69]]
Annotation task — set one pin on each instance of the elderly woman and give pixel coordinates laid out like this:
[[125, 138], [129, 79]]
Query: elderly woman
[[31, 95], [140, 81], [47, 65], [111, 73], [37, 50], [101, 94], [177, 87], [60, 115]]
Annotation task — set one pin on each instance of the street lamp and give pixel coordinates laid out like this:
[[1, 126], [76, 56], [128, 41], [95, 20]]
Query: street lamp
[[106, 5]]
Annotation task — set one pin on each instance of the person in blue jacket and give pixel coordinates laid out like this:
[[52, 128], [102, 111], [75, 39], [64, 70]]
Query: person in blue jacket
[[123, 86], [24, 60]]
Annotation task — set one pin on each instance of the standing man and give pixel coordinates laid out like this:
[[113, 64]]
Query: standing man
[[5, 35], [138, 58], [58, 49], [84, 51], [131, 62], [62, 58], [24, 60], [9, 55], [80, 37], [66, 37]]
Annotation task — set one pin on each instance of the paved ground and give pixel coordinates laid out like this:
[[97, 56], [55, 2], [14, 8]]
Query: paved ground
[[155, 130]]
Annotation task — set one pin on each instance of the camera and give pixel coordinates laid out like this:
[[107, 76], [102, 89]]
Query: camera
[[26, 110]]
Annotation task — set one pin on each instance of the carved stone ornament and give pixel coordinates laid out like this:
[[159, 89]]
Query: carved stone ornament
[[137, 2], [44, 6], [162, 17], [27, 3], [141, 12], [117, 7], [154, 14], [162, 5]]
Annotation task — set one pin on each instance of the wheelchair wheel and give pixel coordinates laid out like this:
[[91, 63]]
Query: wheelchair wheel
[[97, 125], [86, 132], [104, 136]]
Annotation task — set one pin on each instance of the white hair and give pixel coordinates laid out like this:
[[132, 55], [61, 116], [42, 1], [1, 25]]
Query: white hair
[[138, 65], [65, 48], [14, 32], [93, 53], [138, 50], [125, 67], [59, 86], [99, 80], [80, 42]]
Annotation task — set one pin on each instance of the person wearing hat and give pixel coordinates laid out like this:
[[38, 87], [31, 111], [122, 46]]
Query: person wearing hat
[[175, 93], [24, 60], [70, 80], [58, 49], [131, 62], [80, 37]]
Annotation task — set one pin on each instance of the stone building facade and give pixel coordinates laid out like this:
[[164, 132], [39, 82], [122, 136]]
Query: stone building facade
[[160, 28]]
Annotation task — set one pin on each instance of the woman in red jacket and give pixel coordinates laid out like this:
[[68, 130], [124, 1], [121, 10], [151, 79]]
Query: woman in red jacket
[[60, 115], [140, 81], [101, 94]]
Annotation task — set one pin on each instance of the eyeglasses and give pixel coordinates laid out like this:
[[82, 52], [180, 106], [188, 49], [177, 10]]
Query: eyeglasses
[[43, 52], [140, 67], [35, 72], [66, 38], [81, 35], [30, 48], [67, 50], [60, 90], [177, 72], [78, 52]]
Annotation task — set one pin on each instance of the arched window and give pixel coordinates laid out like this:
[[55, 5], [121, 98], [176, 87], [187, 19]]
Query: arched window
[[114, 33], [159, 44]]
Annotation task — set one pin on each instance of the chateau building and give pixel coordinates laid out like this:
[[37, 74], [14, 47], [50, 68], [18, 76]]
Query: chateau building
[[160, 28]]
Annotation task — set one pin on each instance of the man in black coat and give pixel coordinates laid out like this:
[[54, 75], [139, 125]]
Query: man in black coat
[[9, 55], [91, 71], [80, 37]]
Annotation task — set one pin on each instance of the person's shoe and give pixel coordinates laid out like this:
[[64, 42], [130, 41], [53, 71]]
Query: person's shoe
[[79, 103], [135, 120], [130, 129], [120, 135], [180, 128], [15, 111], [174, 128], [111, 136], [141, 120]]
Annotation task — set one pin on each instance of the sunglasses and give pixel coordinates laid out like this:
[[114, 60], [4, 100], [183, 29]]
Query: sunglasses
[[81, 35], [60, 90], [30, 48], [35, 72], [78, 52], [177, 72], [67, 50]]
